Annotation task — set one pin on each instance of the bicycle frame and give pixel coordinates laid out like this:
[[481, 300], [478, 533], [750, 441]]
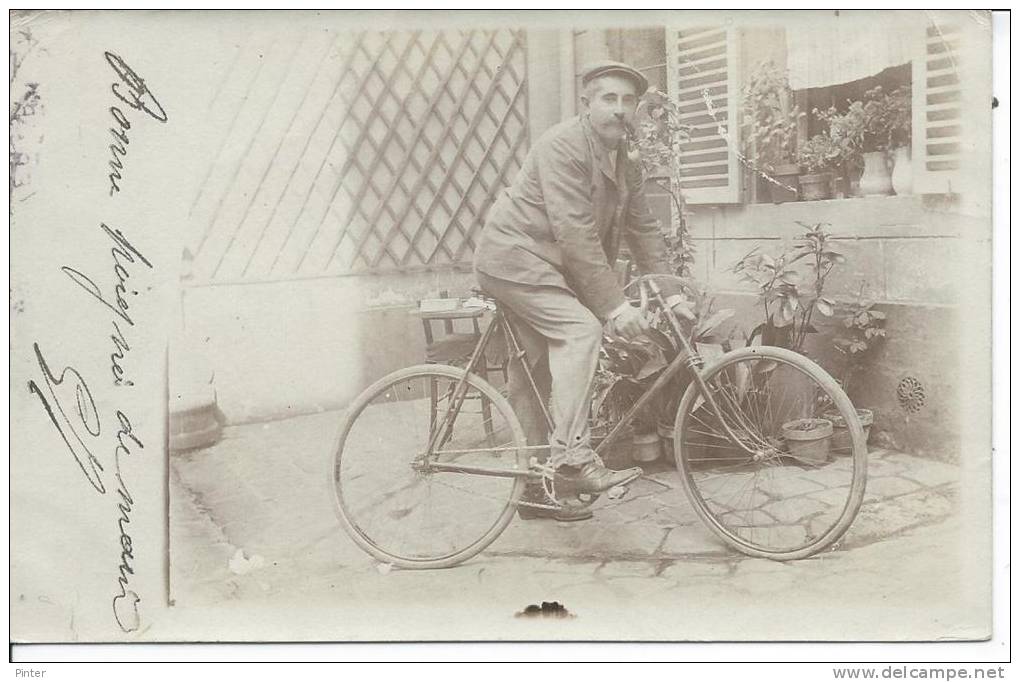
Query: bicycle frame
[[686, 358]]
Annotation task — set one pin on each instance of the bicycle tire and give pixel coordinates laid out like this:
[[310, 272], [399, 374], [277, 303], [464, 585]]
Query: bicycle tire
[[357, 429], [817, 487]]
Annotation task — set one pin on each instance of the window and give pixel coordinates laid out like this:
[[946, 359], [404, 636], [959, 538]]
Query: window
[[708, 67]]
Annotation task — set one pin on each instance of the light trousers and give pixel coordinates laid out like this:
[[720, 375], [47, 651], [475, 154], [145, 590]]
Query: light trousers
[[562, 339]]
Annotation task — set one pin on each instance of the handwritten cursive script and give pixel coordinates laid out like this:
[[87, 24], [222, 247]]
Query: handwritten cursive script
[[65, 395], [86, 425], [71, 407], [124, 254], [132, 91]]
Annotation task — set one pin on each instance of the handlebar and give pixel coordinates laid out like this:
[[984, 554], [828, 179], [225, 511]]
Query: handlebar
[[683, 282], [648, 287]]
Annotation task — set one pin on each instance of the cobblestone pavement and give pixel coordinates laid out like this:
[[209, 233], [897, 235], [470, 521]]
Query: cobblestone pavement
[[252, 519]]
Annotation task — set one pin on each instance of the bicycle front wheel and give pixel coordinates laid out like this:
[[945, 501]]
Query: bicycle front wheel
[[761, 468], [414, 510]]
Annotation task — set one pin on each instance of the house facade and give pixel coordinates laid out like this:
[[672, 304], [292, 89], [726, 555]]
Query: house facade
[[356, 170]]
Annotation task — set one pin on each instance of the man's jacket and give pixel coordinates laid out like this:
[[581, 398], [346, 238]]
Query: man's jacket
[[560, 222]]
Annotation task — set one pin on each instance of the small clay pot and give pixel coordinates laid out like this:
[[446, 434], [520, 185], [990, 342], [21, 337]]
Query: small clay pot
[[841, 434], [808, 439], [646, 447], [816, 186]]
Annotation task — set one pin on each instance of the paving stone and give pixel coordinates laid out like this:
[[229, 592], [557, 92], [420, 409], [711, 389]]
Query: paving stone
[[264, 491], [795, 509], [610, 514], [639, 508], [840, 463], [881, 487], [673, 517], [686, 570], [645, 510], [884, 519], [886, 466], [584, 539], [927, 472], [829, 477], [792, 481], [654, 488], [670, 478], [696, 540], [673, 499], [833, 497], [758, 566]]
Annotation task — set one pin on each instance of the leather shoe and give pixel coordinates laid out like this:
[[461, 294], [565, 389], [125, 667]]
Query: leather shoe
[[595, 478], [536, 495]]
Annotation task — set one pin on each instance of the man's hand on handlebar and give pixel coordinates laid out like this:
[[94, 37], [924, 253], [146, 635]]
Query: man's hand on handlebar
[[628, 322]]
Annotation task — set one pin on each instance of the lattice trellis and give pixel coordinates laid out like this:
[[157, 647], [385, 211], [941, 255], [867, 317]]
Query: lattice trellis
[[415, 134]]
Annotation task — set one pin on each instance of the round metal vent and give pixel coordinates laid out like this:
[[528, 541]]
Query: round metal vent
[[910, 393]]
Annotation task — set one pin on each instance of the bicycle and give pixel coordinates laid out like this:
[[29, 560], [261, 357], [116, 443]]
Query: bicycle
[[422, 482]]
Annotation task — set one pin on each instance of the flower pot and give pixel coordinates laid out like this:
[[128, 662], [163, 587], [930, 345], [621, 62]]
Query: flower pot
[[816, 186], [903, 172], [840, 444], [646, 447], [876, 180], [782, 183], [808, 439]]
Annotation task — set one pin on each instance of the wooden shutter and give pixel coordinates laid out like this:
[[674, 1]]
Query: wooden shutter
[[702, 78], [938, 100]]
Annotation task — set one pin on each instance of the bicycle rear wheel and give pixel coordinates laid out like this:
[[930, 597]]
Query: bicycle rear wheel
[[393, 503], [769, 493]]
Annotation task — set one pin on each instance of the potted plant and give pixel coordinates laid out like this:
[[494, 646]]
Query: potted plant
[[867, 131], [819, 156], [840, 443], [846, 130], [771, 139], [788, 300], [898, 103], [863, 328], [808, 439]]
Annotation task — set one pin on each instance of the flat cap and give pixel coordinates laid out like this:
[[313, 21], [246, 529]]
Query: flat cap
[[611, 68]]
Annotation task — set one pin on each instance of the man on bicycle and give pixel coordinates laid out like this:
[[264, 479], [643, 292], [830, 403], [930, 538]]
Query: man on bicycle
[[547, 253]]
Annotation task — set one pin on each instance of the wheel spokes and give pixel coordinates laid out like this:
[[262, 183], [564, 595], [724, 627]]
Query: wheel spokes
[[761, 491]]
